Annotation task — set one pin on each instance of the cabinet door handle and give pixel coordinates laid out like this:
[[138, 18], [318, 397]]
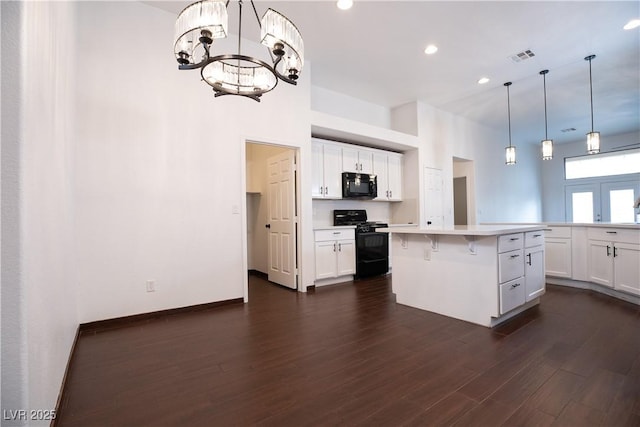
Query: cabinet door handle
[[612, 232], [339, 247], [387, 193], [537, 235], [391, 193], [615, 253], [334, 247], [337, 232], [326, 191], [513, 239], [514, 256], [515, 285], [608, 250], [529, 261]]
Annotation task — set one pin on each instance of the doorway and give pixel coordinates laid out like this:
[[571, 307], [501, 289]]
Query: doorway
[[271, 213], [460, 201], [464, 210]]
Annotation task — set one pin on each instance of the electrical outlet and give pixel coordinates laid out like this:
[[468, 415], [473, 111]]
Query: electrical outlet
[[151, 285], [404, 243]]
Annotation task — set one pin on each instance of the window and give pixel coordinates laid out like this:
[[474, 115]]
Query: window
[[606, 164]]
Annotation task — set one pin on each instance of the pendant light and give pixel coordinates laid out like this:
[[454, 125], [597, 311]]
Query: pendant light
[[547, 144], [510, 151], [593, 138]]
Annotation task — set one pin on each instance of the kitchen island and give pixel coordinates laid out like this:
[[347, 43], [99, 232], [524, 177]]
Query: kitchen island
[[484, 274]]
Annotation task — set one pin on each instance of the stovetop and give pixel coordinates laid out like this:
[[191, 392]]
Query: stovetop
[[367, 227]]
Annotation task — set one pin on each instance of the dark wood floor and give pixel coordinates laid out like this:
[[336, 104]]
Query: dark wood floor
[[348, 355]]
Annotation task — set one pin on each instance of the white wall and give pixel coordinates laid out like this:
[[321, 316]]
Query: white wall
[[553, 182], [503, 194], [341, 105], [38, 293], [160, 167]]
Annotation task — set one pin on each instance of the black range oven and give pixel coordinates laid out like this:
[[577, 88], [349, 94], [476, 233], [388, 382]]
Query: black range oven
[[372, 247]]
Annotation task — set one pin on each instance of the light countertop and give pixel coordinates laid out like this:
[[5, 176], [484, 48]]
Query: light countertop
[[629, 225], [466, 230], [334, 227]]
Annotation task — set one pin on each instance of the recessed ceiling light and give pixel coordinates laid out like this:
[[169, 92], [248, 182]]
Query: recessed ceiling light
[[483, 80], [344, 4], [634, 23], [431, 49]]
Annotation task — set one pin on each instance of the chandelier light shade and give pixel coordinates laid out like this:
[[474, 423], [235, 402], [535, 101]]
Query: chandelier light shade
[[510, 151], [547, 144], [200, 23], [283, 38], [593, 137]]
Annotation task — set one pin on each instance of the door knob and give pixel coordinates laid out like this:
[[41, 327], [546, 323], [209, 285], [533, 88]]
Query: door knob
[[267, 226]]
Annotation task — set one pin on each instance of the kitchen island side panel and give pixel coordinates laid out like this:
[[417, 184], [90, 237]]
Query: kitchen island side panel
[[449, 279]]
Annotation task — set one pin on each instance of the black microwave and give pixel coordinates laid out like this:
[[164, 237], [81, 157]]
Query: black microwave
[[359, 186]]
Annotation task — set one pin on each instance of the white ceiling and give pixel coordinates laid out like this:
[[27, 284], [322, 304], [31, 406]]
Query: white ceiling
[[375, 50]]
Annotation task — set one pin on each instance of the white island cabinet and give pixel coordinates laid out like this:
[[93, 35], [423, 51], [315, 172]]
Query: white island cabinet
[[480, 274]]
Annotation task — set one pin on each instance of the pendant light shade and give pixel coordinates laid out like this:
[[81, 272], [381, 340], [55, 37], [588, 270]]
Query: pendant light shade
[[547, 144], [593, 142], [593, 137], [510, 151]]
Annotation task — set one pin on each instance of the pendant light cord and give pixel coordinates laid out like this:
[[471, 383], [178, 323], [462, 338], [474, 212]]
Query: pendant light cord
[[544, 82], [509, 110], [591, 90]]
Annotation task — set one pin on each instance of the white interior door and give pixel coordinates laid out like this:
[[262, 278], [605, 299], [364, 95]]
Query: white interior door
[[433, 197], [282, 220]]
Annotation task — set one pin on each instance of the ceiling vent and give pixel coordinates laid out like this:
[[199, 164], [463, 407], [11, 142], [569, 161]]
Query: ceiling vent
[[568, 130], [521, 56]]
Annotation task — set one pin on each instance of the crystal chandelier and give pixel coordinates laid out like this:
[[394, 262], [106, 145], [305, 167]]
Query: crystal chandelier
[[200, 23]]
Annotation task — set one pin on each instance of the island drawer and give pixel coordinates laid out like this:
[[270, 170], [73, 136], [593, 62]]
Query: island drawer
[[510, 265], [509, 242], [512, 295], [558, 232], [340, 234], [533, 238]]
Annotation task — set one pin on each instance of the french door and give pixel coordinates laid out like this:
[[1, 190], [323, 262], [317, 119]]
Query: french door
[[601, 202]]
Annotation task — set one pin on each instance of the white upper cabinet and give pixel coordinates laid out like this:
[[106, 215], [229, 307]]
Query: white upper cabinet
[[331, 159], [387, 167], [356, 159], [326, 170]]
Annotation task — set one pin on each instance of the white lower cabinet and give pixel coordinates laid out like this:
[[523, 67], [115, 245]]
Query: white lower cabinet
[[534, 277], [512, 295], [626, 267], [511, 271], [558, 257], [600, 263], [557, 252], [521, 272], [335, 253], [615, 265]]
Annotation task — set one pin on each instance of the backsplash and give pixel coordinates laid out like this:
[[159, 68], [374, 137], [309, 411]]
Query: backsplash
[[323, 210]]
